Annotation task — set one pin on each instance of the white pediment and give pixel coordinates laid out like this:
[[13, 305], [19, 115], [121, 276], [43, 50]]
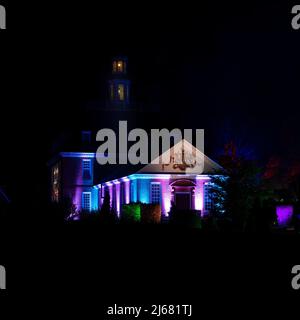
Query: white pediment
[[182, 158]]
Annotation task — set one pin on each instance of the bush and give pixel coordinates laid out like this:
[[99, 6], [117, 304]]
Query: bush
[[186, 218], [151, 213], [131, 213], [141, 212]]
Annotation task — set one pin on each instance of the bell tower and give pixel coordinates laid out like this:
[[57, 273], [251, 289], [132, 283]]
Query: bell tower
[[119, 85]]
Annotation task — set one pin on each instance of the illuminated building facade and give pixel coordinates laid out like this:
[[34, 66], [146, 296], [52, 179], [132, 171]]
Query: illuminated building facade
[[79, 177], [154, 183]]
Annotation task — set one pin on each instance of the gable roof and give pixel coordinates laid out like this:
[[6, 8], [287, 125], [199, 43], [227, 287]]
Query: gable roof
[[195, 163], [182, 158]]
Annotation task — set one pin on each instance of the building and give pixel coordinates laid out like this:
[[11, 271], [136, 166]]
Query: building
[[78, 176]]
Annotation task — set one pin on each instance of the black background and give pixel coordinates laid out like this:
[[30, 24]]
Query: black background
[[230, 65]]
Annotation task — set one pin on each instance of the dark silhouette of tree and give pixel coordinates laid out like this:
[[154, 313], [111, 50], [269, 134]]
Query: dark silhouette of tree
[[235, 195], [106, 208], [107, 214]]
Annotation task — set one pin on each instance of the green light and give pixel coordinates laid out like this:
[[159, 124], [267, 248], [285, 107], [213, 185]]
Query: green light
[[131, 212]]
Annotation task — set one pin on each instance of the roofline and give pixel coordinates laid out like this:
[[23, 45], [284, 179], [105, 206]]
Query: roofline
[[162, 176], [54, 159], [77, 154]]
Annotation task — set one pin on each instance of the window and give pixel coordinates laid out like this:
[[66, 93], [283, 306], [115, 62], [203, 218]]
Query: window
[[86, 136], [155, 192], [86, 201], [208, 203], [121, 92], [86, 169], [119, 66], [55, 177]]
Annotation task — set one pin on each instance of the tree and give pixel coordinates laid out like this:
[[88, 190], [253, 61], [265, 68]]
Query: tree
[[235, 195], [107, 214], [106, 208]]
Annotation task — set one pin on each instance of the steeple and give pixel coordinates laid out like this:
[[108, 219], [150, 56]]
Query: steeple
[[119, 85]]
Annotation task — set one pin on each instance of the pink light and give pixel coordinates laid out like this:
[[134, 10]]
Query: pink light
[[77, 198], [199, 201], [199, 195], [166, 196], [166, 204], [127, 191], [284, 215], [117, 195]]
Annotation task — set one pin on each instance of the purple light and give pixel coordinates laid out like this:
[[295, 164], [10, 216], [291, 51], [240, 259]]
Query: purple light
[[117, 195], [284, 214], [127, 191], [199, 196], [141, 188]]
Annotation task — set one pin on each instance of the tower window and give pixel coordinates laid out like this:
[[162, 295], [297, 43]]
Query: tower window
[[121, 92], [119, 66]]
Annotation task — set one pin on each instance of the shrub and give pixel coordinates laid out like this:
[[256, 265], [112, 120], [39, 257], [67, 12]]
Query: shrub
[[151, 213], [185, 218], [131, 213]]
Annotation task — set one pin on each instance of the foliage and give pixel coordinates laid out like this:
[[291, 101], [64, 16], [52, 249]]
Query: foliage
[[184, 218], [131, 213], [150, 213], [107, 214], [235, 195]]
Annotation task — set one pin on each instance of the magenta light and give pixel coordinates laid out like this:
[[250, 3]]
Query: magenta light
[[127, 191], [284, 214], [117, 196]]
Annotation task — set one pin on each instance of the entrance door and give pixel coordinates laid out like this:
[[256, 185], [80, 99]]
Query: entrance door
[[183, 200]]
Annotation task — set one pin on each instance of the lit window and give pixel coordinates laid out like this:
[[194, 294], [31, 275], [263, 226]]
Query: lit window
[[86, 201], [86, 169], [55, 183], [120, 67], [208, 202], [155, 192], [121, 92]]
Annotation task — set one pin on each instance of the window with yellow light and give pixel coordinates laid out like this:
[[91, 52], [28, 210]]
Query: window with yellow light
[[121, 92]]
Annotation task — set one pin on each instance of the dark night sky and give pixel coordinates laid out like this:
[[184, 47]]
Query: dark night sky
[[230, 69]]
